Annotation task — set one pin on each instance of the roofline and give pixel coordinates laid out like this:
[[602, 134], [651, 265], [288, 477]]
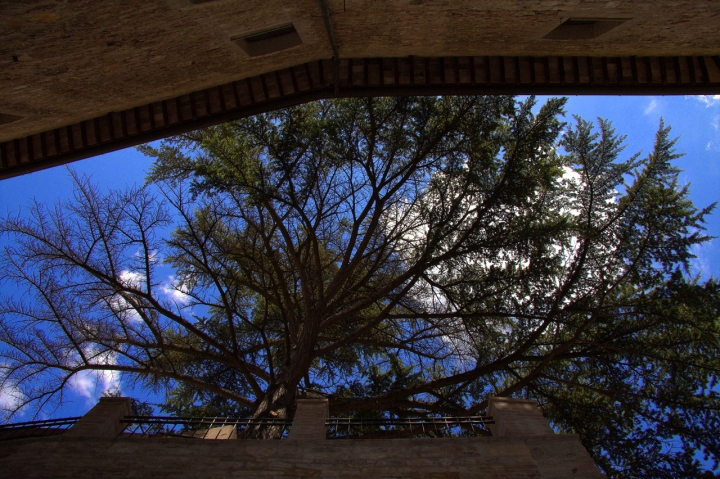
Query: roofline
[[361, 77]]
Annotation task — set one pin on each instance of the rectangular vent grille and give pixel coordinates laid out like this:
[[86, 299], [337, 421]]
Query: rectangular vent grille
[[269, 41], [6, 118], [583, 28]]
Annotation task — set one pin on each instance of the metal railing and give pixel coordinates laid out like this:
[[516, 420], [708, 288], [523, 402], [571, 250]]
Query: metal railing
[[419, 427], [205, 427], [48, 427], [265, 428]]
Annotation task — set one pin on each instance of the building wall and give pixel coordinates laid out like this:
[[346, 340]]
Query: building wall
[[65, 62], [523, 447], [492, 457]]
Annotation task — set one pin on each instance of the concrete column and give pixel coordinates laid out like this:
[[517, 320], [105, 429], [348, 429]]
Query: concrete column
[[517, 417], [557, 455], [103, 420], [309, 421]]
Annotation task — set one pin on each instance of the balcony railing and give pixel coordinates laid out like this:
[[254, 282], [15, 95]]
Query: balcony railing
[[266, 428], [205, 427], [430, 427], [49, 427]]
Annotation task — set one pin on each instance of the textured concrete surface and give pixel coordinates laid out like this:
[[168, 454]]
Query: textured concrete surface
[[309, 420], [103, 420], [543, 457], [92, 449], [517, 417], [352, 77], [62, 62]]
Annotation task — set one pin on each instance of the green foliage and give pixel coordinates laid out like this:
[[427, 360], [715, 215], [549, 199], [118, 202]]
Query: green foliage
[[400, 256]]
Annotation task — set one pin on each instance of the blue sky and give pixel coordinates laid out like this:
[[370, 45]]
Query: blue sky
[[695, 120]]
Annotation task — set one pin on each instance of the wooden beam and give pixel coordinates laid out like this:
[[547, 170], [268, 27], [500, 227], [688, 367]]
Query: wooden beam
[[364, 77]]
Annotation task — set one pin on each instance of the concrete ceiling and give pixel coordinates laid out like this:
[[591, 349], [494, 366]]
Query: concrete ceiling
[[80, 77]]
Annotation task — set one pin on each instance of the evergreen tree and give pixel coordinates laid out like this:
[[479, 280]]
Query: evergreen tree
[[399, 256]]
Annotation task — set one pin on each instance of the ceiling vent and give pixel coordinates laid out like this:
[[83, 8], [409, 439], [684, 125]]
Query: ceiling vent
[[6, 118], [584, 28], [269, 41]]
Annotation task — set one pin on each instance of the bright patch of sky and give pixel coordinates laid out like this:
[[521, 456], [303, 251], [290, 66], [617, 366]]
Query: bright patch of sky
[[709, 100], [176, 291], [10, 399], [694, 119], [90, 384], [651, 107], [118, 303]]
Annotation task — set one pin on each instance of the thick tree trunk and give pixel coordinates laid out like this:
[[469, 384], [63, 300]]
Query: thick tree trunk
[[279, 399], [277, 403]]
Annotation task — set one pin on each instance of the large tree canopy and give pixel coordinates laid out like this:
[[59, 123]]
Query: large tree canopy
[[403, 256]]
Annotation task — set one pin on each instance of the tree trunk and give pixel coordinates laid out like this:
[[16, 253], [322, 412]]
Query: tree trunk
[[277, 403]]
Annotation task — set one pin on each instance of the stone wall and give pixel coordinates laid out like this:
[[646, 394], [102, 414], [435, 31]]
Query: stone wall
[[530, 451], [65, 62]]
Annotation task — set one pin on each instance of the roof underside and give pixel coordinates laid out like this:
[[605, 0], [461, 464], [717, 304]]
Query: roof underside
[[82, 77]]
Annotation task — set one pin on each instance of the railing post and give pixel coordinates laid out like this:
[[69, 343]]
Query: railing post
[[103, 420], [309, 421], [517, 417]]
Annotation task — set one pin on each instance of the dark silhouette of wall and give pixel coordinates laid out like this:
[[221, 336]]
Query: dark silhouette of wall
[[523, 446]]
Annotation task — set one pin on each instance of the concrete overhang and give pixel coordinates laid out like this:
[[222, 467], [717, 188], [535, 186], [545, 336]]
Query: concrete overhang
[[83, 77]]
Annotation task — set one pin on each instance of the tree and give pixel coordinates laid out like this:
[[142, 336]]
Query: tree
[[402, 256]]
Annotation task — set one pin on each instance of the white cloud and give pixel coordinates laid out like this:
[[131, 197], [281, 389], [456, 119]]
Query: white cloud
[[11, 398], [700, 264], [120, 305], [154, 256], [714, 144], [176, 290], [131, 279], [652, 106], [709, 100], [90, 384]]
